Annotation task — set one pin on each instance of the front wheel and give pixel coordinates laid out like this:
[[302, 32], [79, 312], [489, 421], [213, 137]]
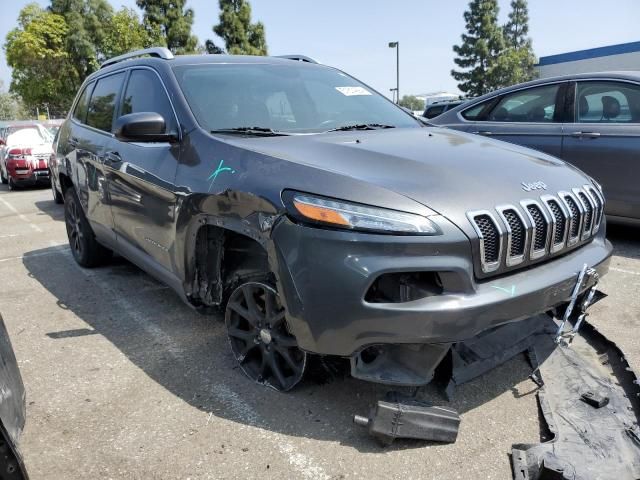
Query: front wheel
[[86, 250], [260, 339]]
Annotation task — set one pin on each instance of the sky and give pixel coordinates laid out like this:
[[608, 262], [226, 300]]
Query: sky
[[353, 35]]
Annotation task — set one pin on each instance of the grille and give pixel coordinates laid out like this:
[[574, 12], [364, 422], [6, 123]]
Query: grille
[[554, 224], [574, 228], [561, 222], [490, 238], [540, 238], [518, 233], [588, 215]]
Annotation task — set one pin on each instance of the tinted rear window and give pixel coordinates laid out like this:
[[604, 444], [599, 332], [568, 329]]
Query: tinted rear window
[[103, 101]]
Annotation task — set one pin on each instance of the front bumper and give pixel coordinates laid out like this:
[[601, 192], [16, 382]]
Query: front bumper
[[324, 275]]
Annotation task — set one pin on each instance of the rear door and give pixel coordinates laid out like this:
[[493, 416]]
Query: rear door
[[603, 139], [141, 175], [90, 131], [531, 117]]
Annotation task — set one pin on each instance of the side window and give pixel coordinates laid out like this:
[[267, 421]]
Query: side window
[[607, 102], [145, 93], [434, 111], [103, 102], [80, 112], [474, 112], [535, 104]]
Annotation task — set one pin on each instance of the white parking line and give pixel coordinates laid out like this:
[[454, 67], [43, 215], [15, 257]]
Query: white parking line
[[20, 216], [60, 249], [622, 270]]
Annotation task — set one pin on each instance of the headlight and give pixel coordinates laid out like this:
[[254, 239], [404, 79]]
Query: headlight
[[354, 216]]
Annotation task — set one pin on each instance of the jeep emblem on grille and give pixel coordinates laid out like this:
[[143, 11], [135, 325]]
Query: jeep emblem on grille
[[527, 187]]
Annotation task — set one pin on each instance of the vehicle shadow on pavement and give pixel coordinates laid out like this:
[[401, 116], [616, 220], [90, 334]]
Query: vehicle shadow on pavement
[[49, 207], [625, 240], [188, 354]]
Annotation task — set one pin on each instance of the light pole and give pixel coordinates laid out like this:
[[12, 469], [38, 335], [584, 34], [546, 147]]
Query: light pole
[[396, 45]]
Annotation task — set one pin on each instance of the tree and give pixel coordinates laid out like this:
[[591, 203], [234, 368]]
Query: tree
[[125, 33], [11, 107], [87, 22], [519, 58], [36, 52], [412, 103], [480, 49], [241, 37], [172, 22]]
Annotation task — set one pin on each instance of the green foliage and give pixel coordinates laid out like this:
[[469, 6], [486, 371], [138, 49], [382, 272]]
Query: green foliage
[[169, 20], [87, 22], [125, 33], [491, 56], [519, 57], [481, 46], [11, 106], [241, 37], [35, 50], [412, 103], [517, 28]]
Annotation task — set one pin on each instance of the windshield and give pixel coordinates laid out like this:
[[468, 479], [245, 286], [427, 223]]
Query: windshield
[[284, 98]]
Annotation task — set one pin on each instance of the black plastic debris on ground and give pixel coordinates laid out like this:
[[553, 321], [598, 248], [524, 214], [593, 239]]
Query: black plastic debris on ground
[[589, 400], [398, 416]]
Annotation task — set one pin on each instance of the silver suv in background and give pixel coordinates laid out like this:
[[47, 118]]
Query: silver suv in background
[[590, 120]]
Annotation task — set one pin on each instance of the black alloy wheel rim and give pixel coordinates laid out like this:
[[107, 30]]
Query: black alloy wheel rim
[[260, 340], [74, 229]]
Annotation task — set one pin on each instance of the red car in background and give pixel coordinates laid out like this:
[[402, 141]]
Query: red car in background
[[24, 155]]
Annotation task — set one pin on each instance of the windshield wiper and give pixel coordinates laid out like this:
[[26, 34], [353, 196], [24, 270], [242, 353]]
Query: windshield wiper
[[251, 131], [360, 126]]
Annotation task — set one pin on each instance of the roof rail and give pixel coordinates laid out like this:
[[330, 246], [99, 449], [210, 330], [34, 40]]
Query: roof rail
[[159, 52], [298, 58]]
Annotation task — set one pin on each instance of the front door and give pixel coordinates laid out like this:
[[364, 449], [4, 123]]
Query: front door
[[604, 141], [141, 175], [531, 117]]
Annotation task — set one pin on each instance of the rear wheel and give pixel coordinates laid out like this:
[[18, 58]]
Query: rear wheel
[[85, 248], [260, 339], [2, 177]]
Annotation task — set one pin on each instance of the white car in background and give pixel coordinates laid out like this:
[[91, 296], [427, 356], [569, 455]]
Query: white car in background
[[25, 150]]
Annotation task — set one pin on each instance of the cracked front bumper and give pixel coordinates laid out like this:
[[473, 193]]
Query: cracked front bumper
[[324, 276]]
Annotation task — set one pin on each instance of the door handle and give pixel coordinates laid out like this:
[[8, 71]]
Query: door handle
[[585, 134], [486, 133], [112, 159]]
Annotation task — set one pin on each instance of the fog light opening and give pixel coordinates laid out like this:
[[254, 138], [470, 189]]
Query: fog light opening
[[404, 287]]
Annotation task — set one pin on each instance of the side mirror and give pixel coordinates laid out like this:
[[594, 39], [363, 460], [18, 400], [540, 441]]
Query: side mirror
[[142, 127]]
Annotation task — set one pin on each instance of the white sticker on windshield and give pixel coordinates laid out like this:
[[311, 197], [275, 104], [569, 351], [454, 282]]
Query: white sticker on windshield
[[352, 91]]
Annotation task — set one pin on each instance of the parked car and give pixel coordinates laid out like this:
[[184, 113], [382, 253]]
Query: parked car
[[12, 410], [322, 217], [438, 108], [24, 155], [589, 120]]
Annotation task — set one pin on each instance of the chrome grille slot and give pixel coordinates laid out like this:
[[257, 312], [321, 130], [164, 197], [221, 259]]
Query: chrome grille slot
[[575, 217], [559, 218], [540, 228], [490, 236], [516, 233], [587, 206], [598, 209]]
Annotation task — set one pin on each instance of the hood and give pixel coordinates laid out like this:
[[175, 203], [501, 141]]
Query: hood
[[448, 171]]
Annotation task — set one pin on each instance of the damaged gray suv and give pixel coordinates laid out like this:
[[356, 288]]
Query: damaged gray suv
[[320, 216]]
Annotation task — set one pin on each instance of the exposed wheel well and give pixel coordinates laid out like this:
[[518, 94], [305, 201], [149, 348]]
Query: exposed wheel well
[[222, 257]]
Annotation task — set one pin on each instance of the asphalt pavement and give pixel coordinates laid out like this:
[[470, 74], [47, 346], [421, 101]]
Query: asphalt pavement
[[125, 381]]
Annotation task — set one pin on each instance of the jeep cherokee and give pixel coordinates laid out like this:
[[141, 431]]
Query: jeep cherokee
[[322, 217]]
